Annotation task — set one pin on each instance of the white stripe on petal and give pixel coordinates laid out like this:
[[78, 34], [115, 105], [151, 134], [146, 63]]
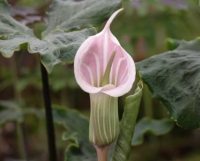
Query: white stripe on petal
[[97, 68], [105, 50]]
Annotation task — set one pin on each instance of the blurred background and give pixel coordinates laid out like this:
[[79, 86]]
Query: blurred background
[[143, 29]]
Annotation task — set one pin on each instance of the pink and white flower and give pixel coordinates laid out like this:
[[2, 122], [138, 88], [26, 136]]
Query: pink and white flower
[[101, 65]]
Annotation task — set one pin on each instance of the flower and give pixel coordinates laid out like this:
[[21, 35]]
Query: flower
[[92, 59], [106, 71]]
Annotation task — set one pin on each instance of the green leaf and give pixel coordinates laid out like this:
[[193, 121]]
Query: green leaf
[[148, 125], [123, 145], [9, 111], [54, 48], [71, 139], [69, 24], [4, 6], [173, 77], [13, 35], [66, 15], [173, 43], [60, 46], [77, 127]]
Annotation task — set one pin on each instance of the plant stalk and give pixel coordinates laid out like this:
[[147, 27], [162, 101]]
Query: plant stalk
[[102, 153], [49, 115]]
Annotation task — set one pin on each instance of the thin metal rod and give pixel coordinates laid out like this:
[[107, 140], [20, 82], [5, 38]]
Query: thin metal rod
[[49, 116]]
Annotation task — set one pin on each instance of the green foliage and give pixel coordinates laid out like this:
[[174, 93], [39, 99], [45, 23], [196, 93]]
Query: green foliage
[[69, 24], [3, 6], [53, 48], [173, 77], [123, 145], [79, 147], [155, 127], [61, 46], [13, 35], [11, 111], [31, 3], [77, 134], [173, 43], [67, 15]]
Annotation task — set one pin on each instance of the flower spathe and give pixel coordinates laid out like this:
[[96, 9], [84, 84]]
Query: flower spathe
[[91, 62], [106, 71]]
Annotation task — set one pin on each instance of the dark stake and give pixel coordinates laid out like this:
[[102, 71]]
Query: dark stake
[[49, 117]]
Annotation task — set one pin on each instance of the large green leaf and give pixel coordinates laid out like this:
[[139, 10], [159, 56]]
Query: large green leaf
[[152, 126], [174, 78], [60, 46], [69, 24], [123, 145], [13, 35], [4, 6], [77, 127], [54, 48], [75, 14]]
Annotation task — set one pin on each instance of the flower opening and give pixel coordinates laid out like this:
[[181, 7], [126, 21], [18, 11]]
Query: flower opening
[[102, 56]]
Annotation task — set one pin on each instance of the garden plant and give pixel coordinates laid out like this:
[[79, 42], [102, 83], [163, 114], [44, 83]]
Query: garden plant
[[78, 34]]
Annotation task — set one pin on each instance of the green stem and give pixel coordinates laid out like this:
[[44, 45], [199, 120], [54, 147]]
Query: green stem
[[18, 99]]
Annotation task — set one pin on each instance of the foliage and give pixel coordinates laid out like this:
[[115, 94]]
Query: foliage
[[131, 109], [152, 126], [66, 30], [3, 6], [174, 77], [11, 111], [77, 127], [142, 30]]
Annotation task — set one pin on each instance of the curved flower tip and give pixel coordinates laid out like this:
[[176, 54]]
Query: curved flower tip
[[108, 23], [102, 65]]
